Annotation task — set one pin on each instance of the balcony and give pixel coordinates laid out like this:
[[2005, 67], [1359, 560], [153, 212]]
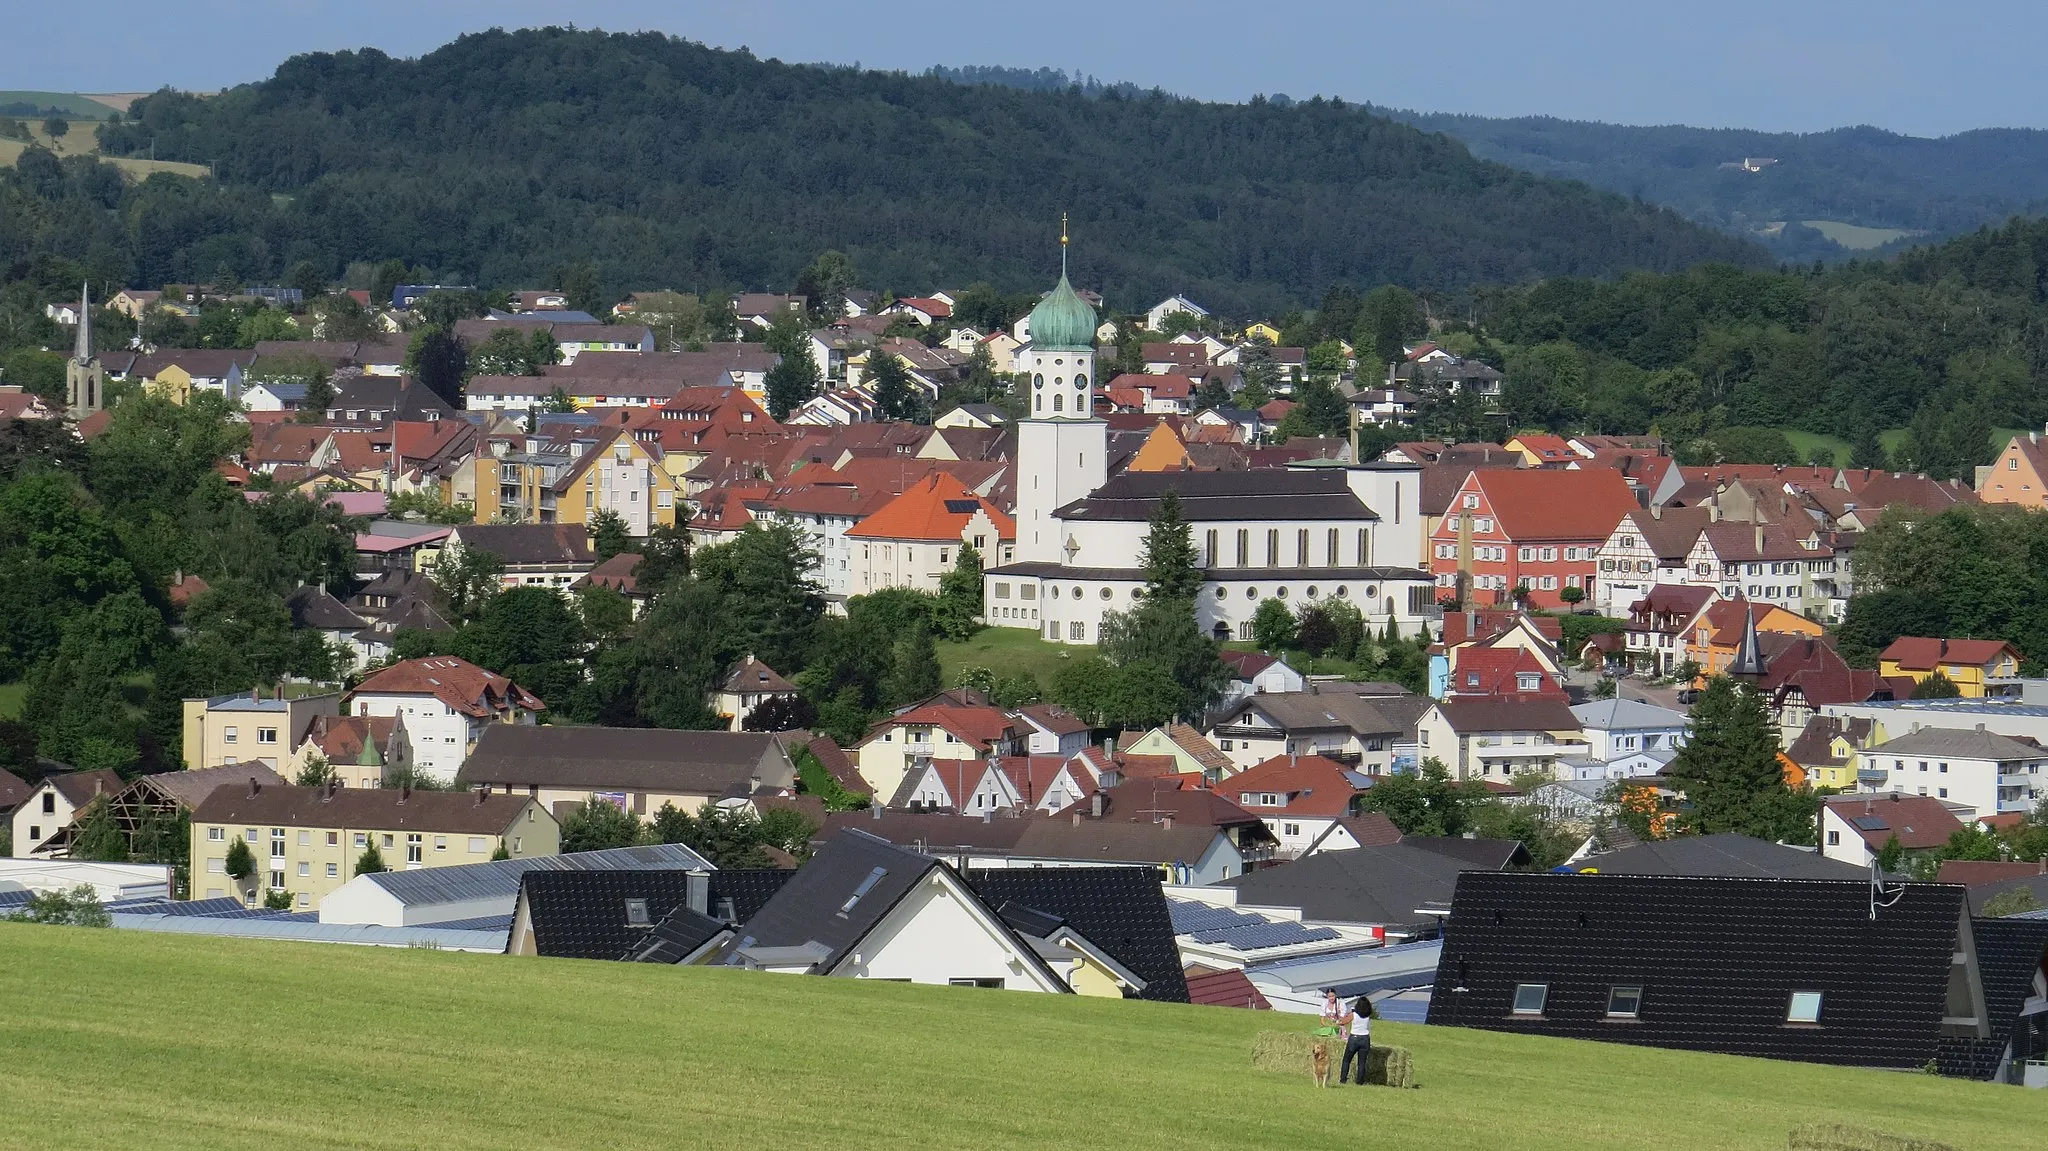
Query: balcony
[[923, 749]]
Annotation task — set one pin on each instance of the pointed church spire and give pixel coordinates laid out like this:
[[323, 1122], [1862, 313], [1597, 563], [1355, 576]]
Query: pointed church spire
[[1749, 660], [1063, 245], [83, 352]]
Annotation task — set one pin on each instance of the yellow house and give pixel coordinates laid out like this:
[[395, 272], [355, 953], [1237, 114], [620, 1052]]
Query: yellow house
[[1162, 451], [1978, 667], [1540, 450], [1829, 750], [934, 732], [250, 727], [1263, 329], [617, 472], [1191, 751], [176, 373], [307, 841], [2019, 475]]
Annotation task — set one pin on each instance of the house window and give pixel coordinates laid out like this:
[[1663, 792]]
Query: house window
[[1290, 829], [305, 839], [216, 867], [440, 843], [1624, 1002], [1525, 554], [1364, 548], [266, 735], [1527, 681], [636, 913], [1301, 548], [362, 839], [1272, 547], [476, 845], [216, 834], [305, 868], [1330, 546], [1077, 630], [277, 843], [1529, 998], [227, 735], [1244, 547], [1805, 1007], [333, 871], [277, 880], [1471, 502], [414, 850]]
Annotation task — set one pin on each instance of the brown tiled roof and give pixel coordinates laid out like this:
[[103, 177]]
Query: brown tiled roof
[[836, 762], [341, 738], [1145, 800], [1815, 743], [750, 675], [458, 683], [379, 808], [1198, 746], [981, 727], [1371, 829], [1918, 821], [1208, 987], [12, 791], [1542, 504], [625, 759], [530, 543], [190, 789], [1114, 841], [80, 786], [1671, 532], [1308, 785], [1923, 653], [1975, 872], [1486, 713]]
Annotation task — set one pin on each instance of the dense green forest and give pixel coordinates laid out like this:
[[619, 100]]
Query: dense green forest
[[503, 157], [1865, 176]]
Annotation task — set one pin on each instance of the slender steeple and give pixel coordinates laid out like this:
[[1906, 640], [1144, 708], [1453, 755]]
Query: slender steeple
[[1749, 659], [83, 352]]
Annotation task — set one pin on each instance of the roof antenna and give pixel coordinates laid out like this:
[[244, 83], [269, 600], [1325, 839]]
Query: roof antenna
[[1880, 894]]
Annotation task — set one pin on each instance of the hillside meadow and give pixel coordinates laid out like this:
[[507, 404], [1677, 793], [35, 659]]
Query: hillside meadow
[[121, 1039]]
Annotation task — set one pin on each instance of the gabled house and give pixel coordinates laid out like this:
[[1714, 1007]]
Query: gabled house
[[1855, 828], [1825, 750], [534, 555], [251, 726], [639, 770], [1191, 751], [1647, 552], [1539, 529], [1368, 734], [1503, 673], [1660, 625], [1978, 667], [361, 750], [1257, 673], [1830, 972], [660, 915], [1987, 773], [448, 705], [750, 684], [927, 734], [1492, 738], [1300, 798], [42, 820], [1397, 890], [2019, 475], [1785, 564], [1049, 729], [914, 540], [863, 908], [1155, 316], [1717, 632], [1614, 728]]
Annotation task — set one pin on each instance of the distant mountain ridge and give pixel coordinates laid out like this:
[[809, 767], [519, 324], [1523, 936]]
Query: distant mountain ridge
[[1861, 176], [506, 156]]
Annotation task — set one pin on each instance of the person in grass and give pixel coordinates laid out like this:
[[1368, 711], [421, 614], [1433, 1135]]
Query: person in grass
[[1357, 1024]]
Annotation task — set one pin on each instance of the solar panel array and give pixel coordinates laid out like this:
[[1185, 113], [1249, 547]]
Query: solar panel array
[[1238, 929], [500, 879]]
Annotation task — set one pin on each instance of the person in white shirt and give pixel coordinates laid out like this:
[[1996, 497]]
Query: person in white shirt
[[1357, 1039]]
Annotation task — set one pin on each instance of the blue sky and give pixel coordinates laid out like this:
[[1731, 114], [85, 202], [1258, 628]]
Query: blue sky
[[1793, 65]]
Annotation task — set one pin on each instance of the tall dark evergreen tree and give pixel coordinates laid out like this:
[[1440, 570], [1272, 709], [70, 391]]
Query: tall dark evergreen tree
[[1169, 555], [1729, 769]]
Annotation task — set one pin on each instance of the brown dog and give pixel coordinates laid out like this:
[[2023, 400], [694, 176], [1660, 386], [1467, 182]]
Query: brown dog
[[1319, 1063]]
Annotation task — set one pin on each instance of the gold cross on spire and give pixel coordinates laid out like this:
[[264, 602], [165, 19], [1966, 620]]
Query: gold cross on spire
[[1063, 244]]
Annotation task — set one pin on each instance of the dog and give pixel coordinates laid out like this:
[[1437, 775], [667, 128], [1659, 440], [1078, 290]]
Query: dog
[[1319, 1063]]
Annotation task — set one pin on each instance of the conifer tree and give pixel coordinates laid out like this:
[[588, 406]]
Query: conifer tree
[[1729, 771], [1169, 555]]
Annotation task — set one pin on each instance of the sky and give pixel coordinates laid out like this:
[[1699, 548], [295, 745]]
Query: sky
[[1792, 65]]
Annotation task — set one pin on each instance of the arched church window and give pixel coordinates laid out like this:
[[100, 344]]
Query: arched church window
[[1059, 403], [1038, 381], [1038, 404]]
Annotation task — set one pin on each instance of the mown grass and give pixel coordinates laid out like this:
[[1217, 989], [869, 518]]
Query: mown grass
[[119, 1039], [1008, 651]]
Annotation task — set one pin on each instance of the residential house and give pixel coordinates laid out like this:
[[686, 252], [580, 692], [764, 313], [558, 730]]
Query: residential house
[[1615, 728], [639, 770], [1386, 407], [762, 309], [1367, 829], [2019, 475], [1370, 734], [1494, 628], [1257, 673], [1988, 773], [1191, 752], [1831, 973], [42, 819], [448, 704], [1049, 729], [308, 840], [467, 892], [176, 373], [360, 750], [1503, 672], [1300, 797], [1542, 451], [915, 539], [662, 915], [153, 804], [1731, 856], [250, 727], [1648, 550], [1155, 316], [1535, 529], [750, 684], [1825, 750], [1978, 667], [1660, 624], [1492, 738], [929, 733], [1784, 564], [1397, 890], [16, 404], [534, 555], [979, 416], [1855, 828], [1716, 633]]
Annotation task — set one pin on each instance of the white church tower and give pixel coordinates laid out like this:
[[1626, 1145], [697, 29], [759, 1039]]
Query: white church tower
[[1062, 448]]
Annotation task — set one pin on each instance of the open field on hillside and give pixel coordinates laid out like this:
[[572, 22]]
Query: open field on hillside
[[81, 142], [74, 105], [120, 1039], [1008, 651], [1856, 237], [1893, 439]]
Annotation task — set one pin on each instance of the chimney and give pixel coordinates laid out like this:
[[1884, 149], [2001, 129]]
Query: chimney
[[254, 787], [1077, 819], [1657, 513], [1095, 805], [329, 789], [483, 794], [405, 793], [1759, 538], [697, 892], [1166, 821], [875, 812]]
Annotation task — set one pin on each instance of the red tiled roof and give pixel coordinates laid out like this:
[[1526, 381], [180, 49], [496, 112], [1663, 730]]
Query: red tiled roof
[[1972, 872], [936, 509], [1540, 504], [458, 683], [979, 726], [1548, 449], [1496, 671], [1309, 785], [1725, 619], [1922, 653], [1247, 663], [1230, 988], [1918, 821]]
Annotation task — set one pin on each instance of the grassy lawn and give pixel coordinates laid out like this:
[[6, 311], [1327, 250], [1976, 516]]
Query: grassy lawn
[[1008, 651], [1893, 440], [11, 696], [186, 1042], [80, 141]]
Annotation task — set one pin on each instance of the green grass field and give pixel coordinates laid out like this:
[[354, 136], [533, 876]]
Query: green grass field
[[1008, 651], [81, 141], [73, 105], [119, 1039], [1893, 439], [1856, 237], [11, 695]]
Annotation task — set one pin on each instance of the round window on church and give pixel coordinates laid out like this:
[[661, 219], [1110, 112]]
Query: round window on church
[[1371, 592], [1081, 381], [1106, 593], [1343, 592], [1058, 363], [1038, 381], [1282, 593], [1311, 591], [1251, 593], [1222, 593], [1056, 381]]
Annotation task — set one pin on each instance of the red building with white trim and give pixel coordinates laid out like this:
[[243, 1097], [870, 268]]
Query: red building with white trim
[[1541, 528]]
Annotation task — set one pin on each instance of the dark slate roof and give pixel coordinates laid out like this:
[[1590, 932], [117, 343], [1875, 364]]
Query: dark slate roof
[[680, 934], [1122, 910], [2009, 955], [1486, 854], [1717, 958], [530, 543], [314, 606], [1722, 855], [1260, 493], [624, 758], [12, 791], [1373, 885], [582, 914], [750, 889], [812, 906]]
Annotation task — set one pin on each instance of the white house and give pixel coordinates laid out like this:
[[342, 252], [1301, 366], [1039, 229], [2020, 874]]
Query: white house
[[1855, 828], [1299, 797], [1647, 549], [1989, 773], [447, 703], [47, 812], [1490, 738], [1372, 734], [1615, 728], [1051, 730], [922, 736], [915, 539], [1155, 316]]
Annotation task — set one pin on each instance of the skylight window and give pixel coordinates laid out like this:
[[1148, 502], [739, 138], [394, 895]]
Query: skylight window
[[1624, 1002], [1805, 1007], [866, 885], [1529, 998], [636, 913]]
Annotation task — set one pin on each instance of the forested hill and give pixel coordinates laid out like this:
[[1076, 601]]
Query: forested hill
[[502, 156], [1861, 176]]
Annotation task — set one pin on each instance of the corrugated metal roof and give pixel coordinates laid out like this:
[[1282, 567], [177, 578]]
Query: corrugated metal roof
[[500, 879], [296, 928]]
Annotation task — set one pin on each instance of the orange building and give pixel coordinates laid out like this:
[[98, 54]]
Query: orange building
[[2019, 475]]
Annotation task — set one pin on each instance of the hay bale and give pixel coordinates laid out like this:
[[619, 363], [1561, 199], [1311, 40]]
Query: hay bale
[[1840, 1137], [1283, 1051], [1390, 1066]]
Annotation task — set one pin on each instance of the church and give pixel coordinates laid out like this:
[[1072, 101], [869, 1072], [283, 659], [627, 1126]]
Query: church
[[1317, 530]]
